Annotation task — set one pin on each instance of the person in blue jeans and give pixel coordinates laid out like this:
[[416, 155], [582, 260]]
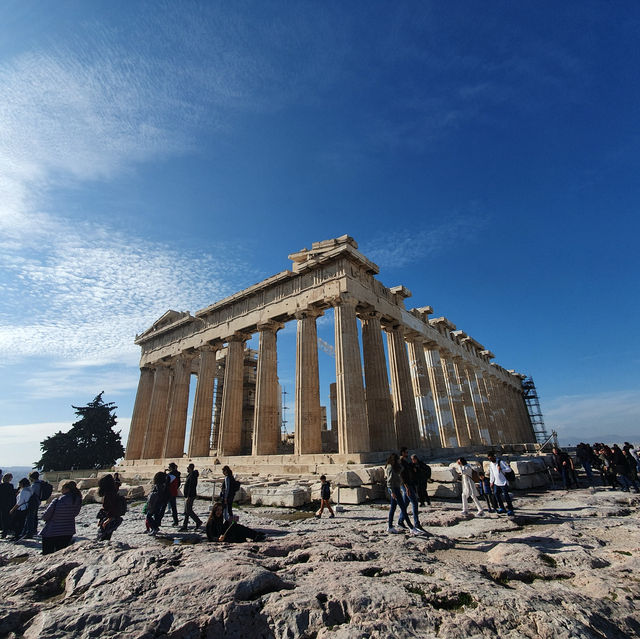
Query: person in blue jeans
[[499, 484], [394, 485], [409, 490]]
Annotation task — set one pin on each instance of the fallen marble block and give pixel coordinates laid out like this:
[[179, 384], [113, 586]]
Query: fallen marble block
[[285, 496]]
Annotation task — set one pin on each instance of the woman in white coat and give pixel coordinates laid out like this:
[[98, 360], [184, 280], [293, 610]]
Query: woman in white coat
[[468, 486]]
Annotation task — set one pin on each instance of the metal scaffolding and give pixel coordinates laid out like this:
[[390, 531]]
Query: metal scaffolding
[[532, 402]]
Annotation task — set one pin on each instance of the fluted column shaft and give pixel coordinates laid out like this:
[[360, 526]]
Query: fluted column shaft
[[140, 416], [178, 406], [382, 431], [200, 436], [157, 423], [406, 419], [482, 404], [307, 438], [493, 418], [230, 438], [353, 430], [425, 404], [470, 415], [448, 437], [455, 398], [266, 422]]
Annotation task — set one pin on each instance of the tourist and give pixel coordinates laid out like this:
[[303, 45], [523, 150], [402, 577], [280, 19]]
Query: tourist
[[422, 472], [562, 465], [468, 486], [392, 471], [173, 485], [7, 502], [585, 456], [117, 480], [484, 489], [18, 511], [190, 494], [628, 472], [30, 526], [634, 453], [409, 492], [156, 503], [221, 529], [60, 517], [325, 496], [229, 489], [499, 484], [109, 516]]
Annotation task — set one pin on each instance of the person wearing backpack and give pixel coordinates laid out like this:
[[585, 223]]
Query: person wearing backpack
[[110, 515], [173, 485], [30, 526], [230, 487], [60, 517], [499, 483]]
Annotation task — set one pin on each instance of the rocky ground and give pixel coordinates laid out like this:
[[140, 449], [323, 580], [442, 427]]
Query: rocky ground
[[565, 566]]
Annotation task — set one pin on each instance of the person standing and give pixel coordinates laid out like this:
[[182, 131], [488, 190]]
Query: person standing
[[422, 474], [173, 485], [60, 517], [392, 472], [156, 503], [30, 526], [409, 491], [229, 488], [190, 494], [18, 511], [468, 486], [7, 502], [499, 484]]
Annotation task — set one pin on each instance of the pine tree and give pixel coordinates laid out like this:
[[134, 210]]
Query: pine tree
[[91, 442]]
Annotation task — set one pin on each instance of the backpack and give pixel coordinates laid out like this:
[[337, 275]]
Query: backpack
[[122, 505], [474, 475], [46, 489], [235, 485], [427, 472], [509, 475]]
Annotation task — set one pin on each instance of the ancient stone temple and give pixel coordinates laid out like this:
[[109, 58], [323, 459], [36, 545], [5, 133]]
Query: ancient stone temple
[[438, 389]]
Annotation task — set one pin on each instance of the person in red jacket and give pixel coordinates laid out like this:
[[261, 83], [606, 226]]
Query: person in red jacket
[[173, 485]]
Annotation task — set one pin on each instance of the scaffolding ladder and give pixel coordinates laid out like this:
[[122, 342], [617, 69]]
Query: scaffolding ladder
[[532, 403]]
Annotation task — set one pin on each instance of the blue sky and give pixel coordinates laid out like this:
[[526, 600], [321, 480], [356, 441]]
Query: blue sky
[[164, 155]]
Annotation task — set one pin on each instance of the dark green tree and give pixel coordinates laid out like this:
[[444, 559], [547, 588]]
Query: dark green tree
[[91, 442]]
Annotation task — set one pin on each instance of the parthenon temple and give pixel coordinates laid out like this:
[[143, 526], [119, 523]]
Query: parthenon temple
[[438, 390]]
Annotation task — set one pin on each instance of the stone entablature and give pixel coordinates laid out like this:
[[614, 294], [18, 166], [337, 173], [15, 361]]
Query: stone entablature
[[437, 372]]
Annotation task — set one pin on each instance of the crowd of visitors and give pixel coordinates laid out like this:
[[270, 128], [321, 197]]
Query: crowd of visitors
[[407, 479]]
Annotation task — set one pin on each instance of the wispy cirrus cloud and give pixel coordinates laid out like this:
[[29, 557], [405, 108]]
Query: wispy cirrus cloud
[[400, 248]]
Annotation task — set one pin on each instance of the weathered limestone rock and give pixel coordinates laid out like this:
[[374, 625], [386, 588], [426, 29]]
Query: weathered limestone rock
[[286, 496], [348, 478]]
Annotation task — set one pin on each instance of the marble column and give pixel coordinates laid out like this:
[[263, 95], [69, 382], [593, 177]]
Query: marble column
[[140, 416], [425, 403], [230, 437], [404, 404], [266, 421], [481, 402], [455, 398], [468, 406], [446, 425], [157, 423], [382, 432], [178, 406], [493, 420], [307, 435], [353, 430], [200, 436]]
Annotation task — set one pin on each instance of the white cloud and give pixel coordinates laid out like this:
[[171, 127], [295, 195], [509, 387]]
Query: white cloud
[[596, 417]]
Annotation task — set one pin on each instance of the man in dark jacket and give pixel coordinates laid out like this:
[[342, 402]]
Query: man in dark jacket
[[173, 485], [562, 465], [190, 493]]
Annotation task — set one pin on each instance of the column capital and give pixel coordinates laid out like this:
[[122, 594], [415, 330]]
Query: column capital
[[342, 299], [311, 312], [208, 348], [238, 336], [270, 325]]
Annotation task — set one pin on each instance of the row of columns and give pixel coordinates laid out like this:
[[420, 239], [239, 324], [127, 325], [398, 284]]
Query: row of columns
[[429, 399]]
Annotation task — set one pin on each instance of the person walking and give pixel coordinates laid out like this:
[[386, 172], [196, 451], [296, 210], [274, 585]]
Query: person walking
[[7, 502], [60, 519], [230, 486], [468, 486], [109, 516], [325, 498], [392, 471], [409, 491], [190, 494], [499, 484]]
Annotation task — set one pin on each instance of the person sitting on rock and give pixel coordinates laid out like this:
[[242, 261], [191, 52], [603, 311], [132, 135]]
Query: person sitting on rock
[[499, 483], [219, 529], [109, 517], [468, 487], [60, 517], [325, 497]]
